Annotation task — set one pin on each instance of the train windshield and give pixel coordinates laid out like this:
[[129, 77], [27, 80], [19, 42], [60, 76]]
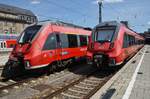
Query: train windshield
[[29, 33], [105, 35]]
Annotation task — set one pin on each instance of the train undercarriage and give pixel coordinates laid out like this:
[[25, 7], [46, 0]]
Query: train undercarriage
[[16, 68]]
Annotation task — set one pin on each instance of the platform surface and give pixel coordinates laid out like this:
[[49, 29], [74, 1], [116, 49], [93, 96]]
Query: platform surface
[[141, 89], [132, 81]]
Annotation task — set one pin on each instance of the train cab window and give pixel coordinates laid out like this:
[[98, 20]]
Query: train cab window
[[29, 33], [64, 40], [105, 35], [73, 41], [83, 40], [50, 43]]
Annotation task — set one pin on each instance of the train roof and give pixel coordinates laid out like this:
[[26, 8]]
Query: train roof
[[14, 10], [61, 23], [117, 24], [113, 23], [108, 23]]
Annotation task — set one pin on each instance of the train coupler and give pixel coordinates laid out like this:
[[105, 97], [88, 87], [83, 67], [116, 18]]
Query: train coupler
[[12, 69]]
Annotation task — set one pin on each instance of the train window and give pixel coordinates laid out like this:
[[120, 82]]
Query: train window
[[126, 41], [83, 40], [129, 40], [132, 38], [29, 33], [105, 35], [64, 40], [51, 42], [1, 45], [73, 42], [4, 44]]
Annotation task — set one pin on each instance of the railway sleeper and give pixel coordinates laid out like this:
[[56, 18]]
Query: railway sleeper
[[88, 84], [80, 90], [67, 96], [92, 81], [81, 87], [74, 93], [77, 91], [85, 85]]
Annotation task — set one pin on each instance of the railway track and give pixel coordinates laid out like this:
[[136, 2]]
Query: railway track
[[8, 86], [64, 84], [82, 88]]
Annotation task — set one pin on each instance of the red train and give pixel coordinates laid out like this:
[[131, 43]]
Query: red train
[[8, 43], [47, 44], [7, 40], [112, 43], [11, 43]]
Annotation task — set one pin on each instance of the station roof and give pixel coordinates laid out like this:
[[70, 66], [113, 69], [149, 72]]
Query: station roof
[[14, 10]]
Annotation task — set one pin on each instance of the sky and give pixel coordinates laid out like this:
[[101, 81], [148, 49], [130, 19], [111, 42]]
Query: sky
[[85, 12]]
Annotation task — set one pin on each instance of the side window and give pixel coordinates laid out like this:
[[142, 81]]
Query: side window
[[125, 41], [50, 43], [4, 44], [83, 40], [130, 40], [63, 40], [73, 42], [1, 44]]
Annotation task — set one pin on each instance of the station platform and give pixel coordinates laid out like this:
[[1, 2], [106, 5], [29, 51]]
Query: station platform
[[130, 82]]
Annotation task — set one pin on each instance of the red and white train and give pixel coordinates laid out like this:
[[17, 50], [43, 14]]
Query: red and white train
[[6, 44], [7, 41], [112, 43], [47, 44]]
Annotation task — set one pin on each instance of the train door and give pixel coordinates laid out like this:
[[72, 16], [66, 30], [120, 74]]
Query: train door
[[50, 49], [63, 46]]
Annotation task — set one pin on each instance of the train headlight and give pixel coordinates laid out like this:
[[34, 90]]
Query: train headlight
[[95, 60], [27, 63]]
